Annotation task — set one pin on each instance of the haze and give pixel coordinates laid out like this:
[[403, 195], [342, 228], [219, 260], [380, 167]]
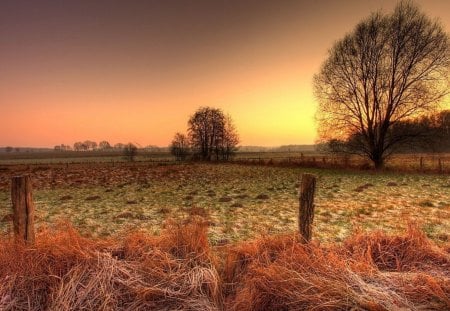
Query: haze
[[134, 71]]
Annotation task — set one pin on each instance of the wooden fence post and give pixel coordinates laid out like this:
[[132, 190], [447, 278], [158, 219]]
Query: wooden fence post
[[306, 207], [23, 208]]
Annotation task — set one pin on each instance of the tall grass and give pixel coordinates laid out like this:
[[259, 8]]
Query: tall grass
[[178, 270]]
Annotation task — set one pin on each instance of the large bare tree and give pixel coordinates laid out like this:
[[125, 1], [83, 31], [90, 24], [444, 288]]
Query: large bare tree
[[391, 67]]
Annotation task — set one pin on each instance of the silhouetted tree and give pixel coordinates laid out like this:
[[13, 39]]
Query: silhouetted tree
[[104, 145], [390, 68], [90, 145], [9, 149], [130, 151], [79, 146], [119, 146], [180, 147], [230, 139], [428, 133], [212, 134]]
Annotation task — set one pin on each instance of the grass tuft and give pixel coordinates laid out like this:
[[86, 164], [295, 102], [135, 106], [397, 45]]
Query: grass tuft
[[179, 270]]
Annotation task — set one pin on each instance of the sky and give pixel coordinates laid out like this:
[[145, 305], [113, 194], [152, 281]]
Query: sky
[[134, 71]]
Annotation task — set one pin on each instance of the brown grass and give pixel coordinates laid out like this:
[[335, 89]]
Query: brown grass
[[65, 271], [178, 270], [367, 272]]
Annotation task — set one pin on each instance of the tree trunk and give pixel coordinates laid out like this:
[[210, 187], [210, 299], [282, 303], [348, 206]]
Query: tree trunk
[[377, 159], [378, 163]]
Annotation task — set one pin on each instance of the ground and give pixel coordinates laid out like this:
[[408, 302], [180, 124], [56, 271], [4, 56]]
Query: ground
[[240, 201]]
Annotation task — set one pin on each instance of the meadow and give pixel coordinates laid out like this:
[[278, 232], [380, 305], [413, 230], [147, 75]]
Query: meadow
[[239, 201], [196, 236]]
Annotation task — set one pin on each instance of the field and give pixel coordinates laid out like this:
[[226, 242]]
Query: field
[[239, 201], [146, 236]]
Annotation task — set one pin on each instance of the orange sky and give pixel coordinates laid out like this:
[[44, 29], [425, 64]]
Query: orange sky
[[129, 71]]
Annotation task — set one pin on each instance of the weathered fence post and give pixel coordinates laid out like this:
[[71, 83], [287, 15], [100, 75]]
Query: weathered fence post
[[306, 208], [23, 208]]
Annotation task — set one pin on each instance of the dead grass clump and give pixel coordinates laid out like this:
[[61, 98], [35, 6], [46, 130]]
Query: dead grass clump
[[263, 275], [240, 256], [225, 199], [262, 197], [407, 252], [187, 240], [65, 271], [124, 215], [92, 198], [154, 283], [198, 211], [66, 197], [30, 274], [361, 188], [307, 278]]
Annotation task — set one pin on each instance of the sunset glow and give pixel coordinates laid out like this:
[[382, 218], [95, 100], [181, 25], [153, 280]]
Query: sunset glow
[[134, 71]]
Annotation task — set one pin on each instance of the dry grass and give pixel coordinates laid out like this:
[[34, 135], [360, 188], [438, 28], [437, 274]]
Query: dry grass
[[366, 272], [178, 270], [65, 271]]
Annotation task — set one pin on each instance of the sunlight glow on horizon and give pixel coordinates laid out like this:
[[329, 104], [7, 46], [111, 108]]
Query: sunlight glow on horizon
[[73, 71]]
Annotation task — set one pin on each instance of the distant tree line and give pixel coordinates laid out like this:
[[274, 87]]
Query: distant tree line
[[11, 149], [211, 136], [425, 134], [88, 145]]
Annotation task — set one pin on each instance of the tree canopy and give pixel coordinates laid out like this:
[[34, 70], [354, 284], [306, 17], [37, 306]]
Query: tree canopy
[[212, 134], [390, 68]]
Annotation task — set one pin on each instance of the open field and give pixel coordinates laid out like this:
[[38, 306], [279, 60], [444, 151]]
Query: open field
[[416, 162], [239, 201]]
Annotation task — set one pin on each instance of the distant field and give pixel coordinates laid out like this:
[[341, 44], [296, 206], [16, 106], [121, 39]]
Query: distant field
[[62, 157], [240, 201], [439, 162]]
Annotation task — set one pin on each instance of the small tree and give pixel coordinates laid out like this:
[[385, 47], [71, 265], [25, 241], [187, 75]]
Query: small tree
[[130, 151], [104, 145], [205, 129], [78, 146], [90, 145], [230, 139], [212, 133], [180, 147], [119, 146], [389, 69]]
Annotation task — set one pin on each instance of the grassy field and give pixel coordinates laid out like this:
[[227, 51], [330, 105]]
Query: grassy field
[[416, 162], [239, 201], [222, 237]]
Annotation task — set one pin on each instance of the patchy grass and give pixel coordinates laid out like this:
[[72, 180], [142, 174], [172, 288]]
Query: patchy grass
[[240, 201]]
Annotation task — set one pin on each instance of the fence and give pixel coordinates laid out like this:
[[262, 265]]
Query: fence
[[403, 162], [439, 163], [23, 208]]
